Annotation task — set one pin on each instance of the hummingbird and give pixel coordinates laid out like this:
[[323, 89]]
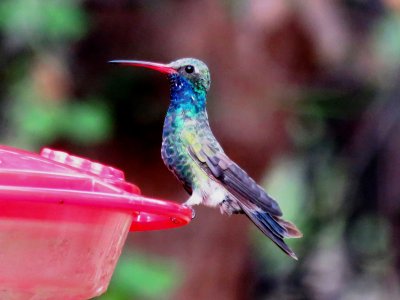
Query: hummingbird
[[192, 153]]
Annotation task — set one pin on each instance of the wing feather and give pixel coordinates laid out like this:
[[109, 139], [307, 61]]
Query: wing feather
[[259, 207], [216, 164]]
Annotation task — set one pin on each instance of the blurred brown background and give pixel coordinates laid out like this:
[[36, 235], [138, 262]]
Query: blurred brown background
[[304, 96]]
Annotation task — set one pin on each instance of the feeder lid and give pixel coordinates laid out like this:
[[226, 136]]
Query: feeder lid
[[55, 177]]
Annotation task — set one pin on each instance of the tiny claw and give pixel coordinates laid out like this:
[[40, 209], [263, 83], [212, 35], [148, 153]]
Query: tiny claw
[[193, 213], [192, 209]]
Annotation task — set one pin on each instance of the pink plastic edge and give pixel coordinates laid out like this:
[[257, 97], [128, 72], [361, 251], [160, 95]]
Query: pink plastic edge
[[148, 213]]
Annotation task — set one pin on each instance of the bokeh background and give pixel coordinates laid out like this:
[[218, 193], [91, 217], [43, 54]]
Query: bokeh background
[[305, 96]]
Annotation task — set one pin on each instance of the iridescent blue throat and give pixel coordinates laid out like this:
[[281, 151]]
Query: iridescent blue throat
[[185, 96]]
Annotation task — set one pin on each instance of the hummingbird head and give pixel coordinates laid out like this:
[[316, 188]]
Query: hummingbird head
[[194, 71], [184, 72]]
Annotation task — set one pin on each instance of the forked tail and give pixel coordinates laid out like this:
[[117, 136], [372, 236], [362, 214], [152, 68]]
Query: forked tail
[[274, 227]]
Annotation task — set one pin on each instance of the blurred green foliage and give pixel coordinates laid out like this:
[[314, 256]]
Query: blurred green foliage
[[140, 276], [386, 42], [42, 21], [35, 116], [36, 122]]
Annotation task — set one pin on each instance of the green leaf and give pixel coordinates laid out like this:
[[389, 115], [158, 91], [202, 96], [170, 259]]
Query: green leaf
[[143, 277], [87, 122]]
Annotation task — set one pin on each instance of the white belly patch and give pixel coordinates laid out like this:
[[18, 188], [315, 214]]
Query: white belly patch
[[210, 194]]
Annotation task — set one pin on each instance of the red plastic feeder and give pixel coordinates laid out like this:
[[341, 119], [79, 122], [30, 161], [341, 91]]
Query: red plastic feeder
[[63, 222]]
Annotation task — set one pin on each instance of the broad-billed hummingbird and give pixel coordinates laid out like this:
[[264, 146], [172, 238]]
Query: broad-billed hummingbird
[[190, 151]]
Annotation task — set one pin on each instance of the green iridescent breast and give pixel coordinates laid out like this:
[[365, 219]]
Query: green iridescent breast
[[175, 155], [180, 133]]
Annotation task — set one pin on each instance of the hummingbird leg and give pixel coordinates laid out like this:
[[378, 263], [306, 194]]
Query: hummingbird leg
[[194, 199], [193, 211]]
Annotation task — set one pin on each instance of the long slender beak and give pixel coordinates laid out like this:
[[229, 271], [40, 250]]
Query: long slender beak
[[163, 68]]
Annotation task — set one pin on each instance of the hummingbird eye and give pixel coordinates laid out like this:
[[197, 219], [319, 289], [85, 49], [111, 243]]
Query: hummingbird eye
[[189, 69]]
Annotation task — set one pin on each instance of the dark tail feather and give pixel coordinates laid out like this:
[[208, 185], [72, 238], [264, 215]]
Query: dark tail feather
[[275, 229]]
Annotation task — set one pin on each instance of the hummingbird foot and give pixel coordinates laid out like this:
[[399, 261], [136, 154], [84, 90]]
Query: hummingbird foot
[[192, 209], [194, 199]]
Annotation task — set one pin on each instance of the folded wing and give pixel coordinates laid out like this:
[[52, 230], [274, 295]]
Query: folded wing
[[253, 200]]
